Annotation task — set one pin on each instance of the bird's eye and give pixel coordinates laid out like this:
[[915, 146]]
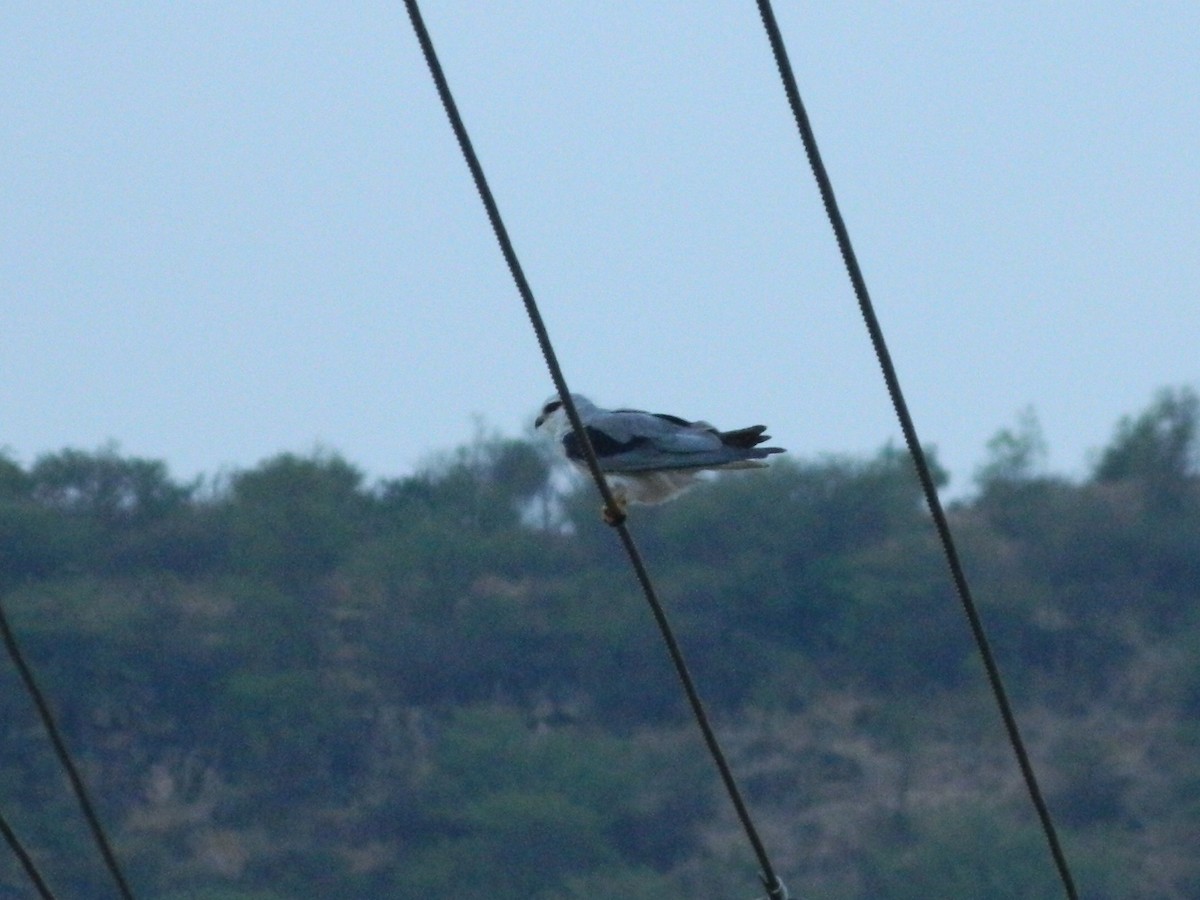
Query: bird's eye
[[551, 407]]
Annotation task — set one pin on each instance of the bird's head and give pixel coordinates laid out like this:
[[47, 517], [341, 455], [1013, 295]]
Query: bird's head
[[554, 418]]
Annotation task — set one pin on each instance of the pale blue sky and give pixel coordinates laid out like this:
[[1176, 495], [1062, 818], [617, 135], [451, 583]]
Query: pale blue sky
[[231, 229]]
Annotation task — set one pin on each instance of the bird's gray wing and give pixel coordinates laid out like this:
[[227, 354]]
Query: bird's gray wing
[[627, 441], [631, 440], [627, 424]]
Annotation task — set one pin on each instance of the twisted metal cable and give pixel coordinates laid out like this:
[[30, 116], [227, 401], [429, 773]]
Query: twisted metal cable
[[928, 485], [26, 861], [99, 836], [613, 513]]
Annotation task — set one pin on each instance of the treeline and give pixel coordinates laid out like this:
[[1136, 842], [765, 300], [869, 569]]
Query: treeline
[[291, 683]]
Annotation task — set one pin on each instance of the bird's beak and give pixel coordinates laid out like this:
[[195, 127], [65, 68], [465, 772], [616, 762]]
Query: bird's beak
[[537, 423]]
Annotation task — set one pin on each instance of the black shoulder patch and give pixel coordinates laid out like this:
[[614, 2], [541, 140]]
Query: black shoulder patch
[[674, 420], [604, 445]]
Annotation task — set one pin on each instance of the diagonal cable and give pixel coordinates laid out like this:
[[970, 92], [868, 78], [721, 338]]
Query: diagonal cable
[[26, 861], [64, 757], [914, 445], [775, 888]]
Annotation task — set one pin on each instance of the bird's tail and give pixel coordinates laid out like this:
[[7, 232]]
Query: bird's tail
[[745, 438]]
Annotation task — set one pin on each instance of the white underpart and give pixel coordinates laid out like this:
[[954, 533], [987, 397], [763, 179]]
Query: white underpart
[[651, 487]]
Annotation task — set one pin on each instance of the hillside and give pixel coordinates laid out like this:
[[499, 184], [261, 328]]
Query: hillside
[[291, 683]]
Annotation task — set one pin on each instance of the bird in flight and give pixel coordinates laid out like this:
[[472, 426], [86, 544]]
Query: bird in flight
[[651, 457]]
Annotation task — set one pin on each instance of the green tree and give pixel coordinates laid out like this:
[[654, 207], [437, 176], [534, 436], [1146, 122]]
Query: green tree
[[484, 486], [293, 519], [14, 482], [1160, 445], [520, 808], [977, 852], [1014, 454], [105, 487]]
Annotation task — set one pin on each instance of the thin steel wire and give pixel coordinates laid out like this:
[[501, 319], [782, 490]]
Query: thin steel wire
[[616, 517], [914, 445], [64, 757], [26, 861]]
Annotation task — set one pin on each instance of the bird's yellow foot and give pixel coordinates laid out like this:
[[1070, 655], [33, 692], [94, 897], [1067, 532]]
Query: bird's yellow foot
[[614, 515]]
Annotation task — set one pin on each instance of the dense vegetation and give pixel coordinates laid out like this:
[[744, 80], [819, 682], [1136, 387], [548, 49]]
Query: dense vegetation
[[294, 684]]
